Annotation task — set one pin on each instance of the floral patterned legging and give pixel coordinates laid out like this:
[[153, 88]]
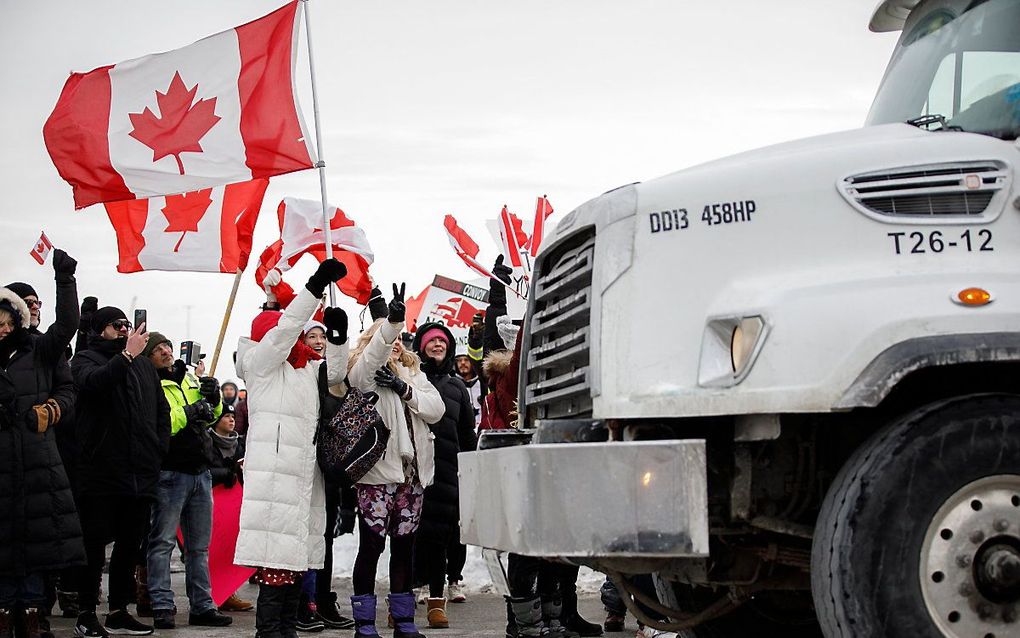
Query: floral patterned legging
[[394, 510]]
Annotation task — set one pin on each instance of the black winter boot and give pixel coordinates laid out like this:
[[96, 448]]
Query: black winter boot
[[267, 611], [6, 623], [289, 612], [573, 621]]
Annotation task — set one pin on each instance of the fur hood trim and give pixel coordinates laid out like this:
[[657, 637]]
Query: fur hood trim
[[19, 304], [497, 362]]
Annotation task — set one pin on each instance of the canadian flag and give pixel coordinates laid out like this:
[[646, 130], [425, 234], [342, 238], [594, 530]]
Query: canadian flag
[[301, 233], [209, 230], [514, 238], [465, 247], [42, 249], [542, 211], [220, 111]]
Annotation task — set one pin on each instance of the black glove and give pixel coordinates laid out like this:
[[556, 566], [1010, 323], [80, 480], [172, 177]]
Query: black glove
[[377, 304], [385, 378], [396, 308], [500, 275], [476, 333], [501, 271], [88, 306], [335, 320], [63, 265], [230, 480], [329, 271], [344, 523], [198, 413], [209, 388]]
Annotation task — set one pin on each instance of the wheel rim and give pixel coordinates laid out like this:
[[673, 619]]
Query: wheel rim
[[970, 560]]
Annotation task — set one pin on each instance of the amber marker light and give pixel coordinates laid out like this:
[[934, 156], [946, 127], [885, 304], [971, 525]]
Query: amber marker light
[[973, 297]]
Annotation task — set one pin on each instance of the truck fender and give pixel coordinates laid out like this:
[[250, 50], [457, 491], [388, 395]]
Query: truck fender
[[886, 370]]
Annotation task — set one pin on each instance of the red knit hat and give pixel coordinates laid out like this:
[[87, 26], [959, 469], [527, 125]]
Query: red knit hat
[[263, 323]]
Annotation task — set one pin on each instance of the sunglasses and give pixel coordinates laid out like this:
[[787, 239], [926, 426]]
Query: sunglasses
[[120, 324], [33, 303]]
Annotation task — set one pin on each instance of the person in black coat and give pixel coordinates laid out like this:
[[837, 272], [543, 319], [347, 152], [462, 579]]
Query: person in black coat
[[439, 533], [39, 529], [123, 426]]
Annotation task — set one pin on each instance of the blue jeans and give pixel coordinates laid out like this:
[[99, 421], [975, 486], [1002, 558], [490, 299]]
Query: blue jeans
[[184, 500], [28, 590]]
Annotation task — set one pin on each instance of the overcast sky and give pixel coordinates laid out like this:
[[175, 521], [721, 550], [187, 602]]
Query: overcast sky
[[442, 106]]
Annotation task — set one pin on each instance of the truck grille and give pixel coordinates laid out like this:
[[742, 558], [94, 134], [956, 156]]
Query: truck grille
[[963, 190], [558, 362]]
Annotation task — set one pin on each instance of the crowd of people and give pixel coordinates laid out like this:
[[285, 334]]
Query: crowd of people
[[120, 442]]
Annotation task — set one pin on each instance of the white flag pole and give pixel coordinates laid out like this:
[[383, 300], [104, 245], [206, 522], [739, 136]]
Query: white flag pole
[[321, 165]]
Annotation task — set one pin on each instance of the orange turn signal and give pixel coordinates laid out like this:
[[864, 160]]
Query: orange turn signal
[[973, 297]]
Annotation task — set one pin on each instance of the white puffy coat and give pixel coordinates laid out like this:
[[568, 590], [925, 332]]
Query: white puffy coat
[[283, 512], [426, 407]]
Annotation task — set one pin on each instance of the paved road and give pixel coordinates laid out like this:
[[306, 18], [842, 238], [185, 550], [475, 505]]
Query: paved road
[[482, 615]]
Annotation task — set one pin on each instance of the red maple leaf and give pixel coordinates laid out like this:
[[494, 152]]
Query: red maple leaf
[[183, 212], [180, 125]]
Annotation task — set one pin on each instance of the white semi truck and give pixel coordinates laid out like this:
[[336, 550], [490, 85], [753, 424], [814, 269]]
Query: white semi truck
[[787, 382]]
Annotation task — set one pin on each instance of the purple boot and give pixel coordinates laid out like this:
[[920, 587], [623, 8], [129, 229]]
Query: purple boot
[[364, 616], [402, 609]]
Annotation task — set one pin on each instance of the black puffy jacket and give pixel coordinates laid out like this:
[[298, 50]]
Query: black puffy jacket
[[123, 422], [454, 433], [39, 528]]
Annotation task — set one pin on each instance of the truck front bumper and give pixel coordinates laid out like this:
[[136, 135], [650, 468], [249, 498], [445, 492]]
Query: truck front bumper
[[616, 499]]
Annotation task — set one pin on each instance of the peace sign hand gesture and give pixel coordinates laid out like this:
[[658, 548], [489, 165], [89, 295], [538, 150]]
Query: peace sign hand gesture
[[396, 307]]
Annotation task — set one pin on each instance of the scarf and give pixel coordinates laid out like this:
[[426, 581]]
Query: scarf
[[108, 347], [225, 445]]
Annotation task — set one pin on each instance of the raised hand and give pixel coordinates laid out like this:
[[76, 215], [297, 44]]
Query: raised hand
[[329, 270], [335, 320], [501, 271], [396, 309], [136, 340], [63, 264]]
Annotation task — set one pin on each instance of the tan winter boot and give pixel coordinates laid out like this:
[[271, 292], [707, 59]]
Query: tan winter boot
[[437, 613]]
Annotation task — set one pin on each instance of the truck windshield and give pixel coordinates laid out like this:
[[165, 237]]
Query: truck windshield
[[962, 65]]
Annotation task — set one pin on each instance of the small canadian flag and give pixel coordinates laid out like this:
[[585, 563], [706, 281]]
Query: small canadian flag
[[42, 249]]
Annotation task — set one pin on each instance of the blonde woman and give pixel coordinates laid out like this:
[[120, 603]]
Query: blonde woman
[[390, 494]]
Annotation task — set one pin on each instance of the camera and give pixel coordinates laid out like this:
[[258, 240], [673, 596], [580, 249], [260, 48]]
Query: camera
[[191, 352]]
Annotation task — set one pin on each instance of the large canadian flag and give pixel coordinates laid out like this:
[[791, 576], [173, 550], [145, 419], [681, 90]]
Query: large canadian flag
[[301, 233], [209, 230], [220, 111]]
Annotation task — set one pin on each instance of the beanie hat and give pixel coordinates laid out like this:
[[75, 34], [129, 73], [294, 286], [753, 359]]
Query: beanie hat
[[434, 333], [104, 316], [314, 324], [228, 408], [155, 338], [22, 289], [263, 323]]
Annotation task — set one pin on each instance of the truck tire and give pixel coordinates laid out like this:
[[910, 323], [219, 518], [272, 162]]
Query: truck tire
[[919, 535]]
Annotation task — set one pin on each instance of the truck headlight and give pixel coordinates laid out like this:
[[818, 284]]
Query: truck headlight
[[729, 348]]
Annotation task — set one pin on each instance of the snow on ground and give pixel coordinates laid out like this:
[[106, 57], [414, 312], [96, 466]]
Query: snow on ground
[[476, 574]]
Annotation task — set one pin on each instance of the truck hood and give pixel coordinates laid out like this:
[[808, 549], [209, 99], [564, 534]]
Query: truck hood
[[836, 284]]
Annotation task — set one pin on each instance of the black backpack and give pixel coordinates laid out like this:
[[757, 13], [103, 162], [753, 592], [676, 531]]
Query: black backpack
[[350, 437]]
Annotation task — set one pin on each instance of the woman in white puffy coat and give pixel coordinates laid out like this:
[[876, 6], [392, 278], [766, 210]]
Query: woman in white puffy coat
[[283, 511], [390, 494]]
